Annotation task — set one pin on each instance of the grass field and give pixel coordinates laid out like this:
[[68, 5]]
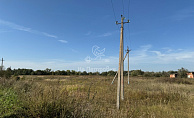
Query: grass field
[[94, 96]]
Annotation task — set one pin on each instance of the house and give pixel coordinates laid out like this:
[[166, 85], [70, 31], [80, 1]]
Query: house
[[173, 75], [190, 75]]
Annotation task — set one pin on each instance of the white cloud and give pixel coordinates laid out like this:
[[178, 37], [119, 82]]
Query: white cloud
[[167, 49], [63, 65], [142, 52], [159, 54], [148, 60], [105, 34], [146, 55], [25, 29], [49, 35], [63, 41]]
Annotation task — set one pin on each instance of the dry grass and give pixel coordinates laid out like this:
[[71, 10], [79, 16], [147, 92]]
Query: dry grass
[[94, 96]]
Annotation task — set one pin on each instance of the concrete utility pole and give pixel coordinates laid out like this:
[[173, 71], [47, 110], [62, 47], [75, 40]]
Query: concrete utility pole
[[123, 62], [2, 64], [120, 86], [128, 61], [128, 64]]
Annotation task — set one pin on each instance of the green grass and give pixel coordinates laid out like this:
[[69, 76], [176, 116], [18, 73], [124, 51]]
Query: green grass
[[9, 103], [94, 96]]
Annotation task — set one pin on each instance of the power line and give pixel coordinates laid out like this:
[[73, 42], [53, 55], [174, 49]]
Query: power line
[[128, 25], [123, 6], [128, 8], [126, 35], [113, 10]]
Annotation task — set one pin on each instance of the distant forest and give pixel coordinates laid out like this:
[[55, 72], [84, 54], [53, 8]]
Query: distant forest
[[182, 73]]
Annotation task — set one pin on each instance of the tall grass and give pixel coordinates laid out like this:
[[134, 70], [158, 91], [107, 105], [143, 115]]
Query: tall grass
[[94, 96]]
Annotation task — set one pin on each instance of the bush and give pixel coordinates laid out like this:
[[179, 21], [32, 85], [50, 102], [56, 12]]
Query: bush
[[5, 74]]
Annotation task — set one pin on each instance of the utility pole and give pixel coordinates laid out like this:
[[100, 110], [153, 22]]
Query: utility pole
[[2, 64], [123, 62], [128, 61], [120, 86]]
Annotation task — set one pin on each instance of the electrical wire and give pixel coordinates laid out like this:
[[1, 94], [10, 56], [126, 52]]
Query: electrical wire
[[123, 7], [128, 8], [126, 35], [114, 12], [128, 26]]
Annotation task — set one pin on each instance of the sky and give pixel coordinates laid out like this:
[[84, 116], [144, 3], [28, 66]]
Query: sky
[[82, 35]]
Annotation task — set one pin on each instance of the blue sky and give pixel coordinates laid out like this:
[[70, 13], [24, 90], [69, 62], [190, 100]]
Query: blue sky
[[64, 34]]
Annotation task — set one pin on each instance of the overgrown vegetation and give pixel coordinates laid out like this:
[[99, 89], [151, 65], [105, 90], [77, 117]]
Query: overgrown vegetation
[[176, 80], [182, 73], [9, 103], [94, 96]]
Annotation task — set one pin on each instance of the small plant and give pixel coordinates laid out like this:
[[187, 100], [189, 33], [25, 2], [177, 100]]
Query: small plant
[[9, 103]]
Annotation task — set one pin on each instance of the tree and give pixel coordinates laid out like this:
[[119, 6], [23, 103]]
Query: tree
[[63, 72], [7, 74], [137, 73], [90, 73], [104, 73], [68, 72], [40, 72], [96, 73], [148, 74], [84, 73], [79, 73], [72, 72], [172, 72], [1, 74], [182, 72], [47, 71], [165, 74], [58, 72], [111, 73], [158, 74]]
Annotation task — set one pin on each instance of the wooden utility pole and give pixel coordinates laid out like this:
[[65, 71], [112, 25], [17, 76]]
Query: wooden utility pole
[[120, 86]]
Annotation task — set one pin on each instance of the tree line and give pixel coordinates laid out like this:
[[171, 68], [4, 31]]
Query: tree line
[[182, 73]]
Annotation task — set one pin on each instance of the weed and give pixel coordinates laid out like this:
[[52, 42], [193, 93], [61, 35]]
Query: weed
[[176, 80], [9, 103], [93, 96]]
